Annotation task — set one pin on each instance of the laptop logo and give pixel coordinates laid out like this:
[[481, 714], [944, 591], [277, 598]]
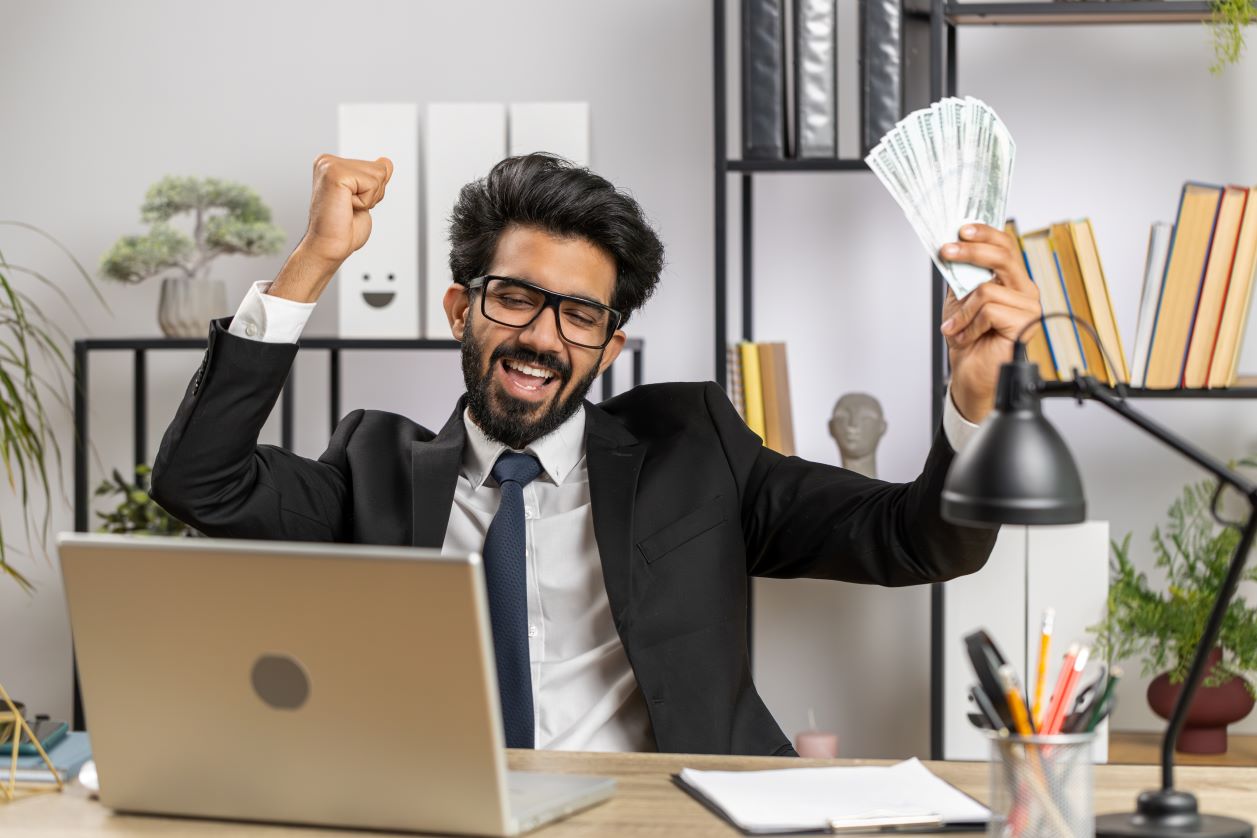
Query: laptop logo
[[281, 681]]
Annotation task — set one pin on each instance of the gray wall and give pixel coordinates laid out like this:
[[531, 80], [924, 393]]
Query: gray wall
[[100, 100]]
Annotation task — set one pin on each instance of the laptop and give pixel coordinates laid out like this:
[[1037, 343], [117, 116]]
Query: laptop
[[326, 684]]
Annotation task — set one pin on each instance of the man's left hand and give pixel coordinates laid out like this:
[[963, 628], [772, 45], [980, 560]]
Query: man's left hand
[[981, 328]]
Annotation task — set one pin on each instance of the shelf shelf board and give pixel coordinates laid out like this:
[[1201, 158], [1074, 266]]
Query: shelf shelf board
[[631, 344], [1073, 12], [817, 164]]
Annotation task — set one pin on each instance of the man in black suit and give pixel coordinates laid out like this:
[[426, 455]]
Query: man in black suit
[[618, 538]]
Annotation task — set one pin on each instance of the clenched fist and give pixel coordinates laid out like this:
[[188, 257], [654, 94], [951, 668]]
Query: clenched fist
[[341, 199]]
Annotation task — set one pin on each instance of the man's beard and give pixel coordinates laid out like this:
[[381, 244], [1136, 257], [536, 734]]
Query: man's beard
[[505, 418]]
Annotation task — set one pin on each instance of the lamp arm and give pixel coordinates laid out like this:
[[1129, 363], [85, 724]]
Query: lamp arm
[[1086, 387]]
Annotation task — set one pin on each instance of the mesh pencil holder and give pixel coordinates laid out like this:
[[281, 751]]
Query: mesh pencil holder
[[1041, 786]]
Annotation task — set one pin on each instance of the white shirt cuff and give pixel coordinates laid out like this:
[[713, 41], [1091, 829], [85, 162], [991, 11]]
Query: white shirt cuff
[[957, 428], [269, 319]]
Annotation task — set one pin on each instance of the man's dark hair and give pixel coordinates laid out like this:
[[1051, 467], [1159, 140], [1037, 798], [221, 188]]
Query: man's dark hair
[[555, 195]]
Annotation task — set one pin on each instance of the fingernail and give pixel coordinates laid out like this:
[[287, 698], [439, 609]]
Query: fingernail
[[947, 324], [967, 230], [950, 250]]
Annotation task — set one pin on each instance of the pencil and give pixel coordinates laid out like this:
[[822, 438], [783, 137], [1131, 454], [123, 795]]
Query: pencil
[[1016, 703], [1045, 645], [1071, 671]]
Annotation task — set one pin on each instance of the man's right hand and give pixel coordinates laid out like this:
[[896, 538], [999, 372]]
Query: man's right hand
[[341, 199]]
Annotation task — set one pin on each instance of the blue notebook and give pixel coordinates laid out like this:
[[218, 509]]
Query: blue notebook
[[68, 756]]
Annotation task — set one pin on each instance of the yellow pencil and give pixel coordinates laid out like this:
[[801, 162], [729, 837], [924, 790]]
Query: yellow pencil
[[1016, 702], [1045, 644]]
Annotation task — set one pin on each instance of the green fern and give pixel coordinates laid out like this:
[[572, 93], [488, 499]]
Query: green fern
[[1193, 552]]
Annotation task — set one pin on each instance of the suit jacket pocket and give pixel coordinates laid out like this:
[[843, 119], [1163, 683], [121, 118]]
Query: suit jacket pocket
[[689, 526]]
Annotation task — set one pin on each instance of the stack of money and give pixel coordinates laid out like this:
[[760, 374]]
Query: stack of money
[[948, 165]]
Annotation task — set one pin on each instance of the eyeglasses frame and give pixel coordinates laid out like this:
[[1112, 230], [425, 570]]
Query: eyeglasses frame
[[552, 300]]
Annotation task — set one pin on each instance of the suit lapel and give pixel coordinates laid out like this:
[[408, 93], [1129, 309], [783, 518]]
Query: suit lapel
[[433, 475], [615, 459]]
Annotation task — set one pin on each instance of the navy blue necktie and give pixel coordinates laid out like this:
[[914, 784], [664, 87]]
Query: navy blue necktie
[[506, 578]]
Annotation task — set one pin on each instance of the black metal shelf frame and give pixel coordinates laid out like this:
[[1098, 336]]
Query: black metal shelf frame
[[944, 19], [140, 347]]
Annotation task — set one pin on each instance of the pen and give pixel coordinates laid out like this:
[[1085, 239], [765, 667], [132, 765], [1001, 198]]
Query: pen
[[1045, 643], [1071, 669], [1016, 703], [1105, 703]]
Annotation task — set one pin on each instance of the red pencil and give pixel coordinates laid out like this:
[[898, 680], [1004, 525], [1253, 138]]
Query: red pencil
[[1071, 671]]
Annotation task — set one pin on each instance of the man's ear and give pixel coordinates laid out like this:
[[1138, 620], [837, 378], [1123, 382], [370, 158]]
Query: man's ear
[[457, 301], [612, 350]]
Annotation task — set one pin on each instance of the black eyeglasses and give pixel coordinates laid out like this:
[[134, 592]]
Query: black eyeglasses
[[515, 303]]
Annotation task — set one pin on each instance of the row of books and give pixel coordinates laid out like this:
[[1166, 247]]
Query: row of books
[[789, 66], [759, 387], [1197, 291], [1198, 286]]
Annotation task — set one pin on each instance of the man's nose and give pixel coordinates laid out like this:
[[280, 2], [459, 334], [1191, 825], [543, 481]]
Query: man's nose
[[542, 334]]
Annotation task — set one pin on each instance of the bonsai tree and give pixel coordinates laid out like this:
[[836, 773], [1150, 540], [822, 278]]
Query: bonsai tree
[[1163, 628], [227, 218]]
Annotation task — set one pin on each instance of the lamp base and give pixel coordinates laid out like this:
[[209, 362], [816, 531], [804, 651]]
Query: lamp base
[[1160, 814]]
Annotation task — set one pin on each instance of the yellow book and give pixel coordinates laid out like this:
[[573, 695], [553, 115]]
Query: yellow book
[[1037, 350], [752, 391], [1097, 288], [1222, 370], [1213, 288]]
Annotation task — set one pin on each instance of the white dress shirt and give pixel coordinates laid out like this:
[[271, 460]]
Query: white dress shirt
[[585, 695]]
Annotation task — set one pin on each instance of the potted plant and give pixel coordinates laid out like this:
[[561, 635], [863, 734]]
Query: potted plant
[[29, 340], [137, 513], [1193, 552], [227, 218]]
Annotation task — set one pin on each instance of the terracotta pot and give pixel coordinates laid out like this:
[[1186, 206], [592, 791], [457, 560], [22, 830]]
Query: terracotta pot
[[1212, 709]]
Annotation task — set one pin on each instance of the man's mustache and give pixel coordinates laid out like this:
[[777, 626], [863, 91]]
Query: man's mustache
[[544, 360]]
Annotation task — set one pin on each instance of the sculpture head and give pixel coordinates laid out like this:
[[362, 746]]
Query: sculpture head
[[857, 425]]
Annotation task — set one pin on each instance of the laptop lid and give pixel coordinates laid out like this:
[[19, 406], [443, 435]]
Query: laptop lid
[[311, 683]]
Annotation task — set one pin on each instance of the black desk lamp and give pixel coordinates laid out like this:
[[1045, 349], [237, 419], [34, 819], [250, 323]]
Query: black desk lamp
[[1017, 470]]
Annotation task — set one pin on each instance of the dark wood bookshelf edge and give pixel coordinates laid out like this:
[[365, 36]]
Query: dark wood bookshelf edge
[[313, 342], [1075, 12]]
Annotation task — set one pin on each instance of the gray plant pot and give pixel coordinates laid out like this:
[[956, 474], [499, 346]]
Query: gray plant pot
[[187, 306]]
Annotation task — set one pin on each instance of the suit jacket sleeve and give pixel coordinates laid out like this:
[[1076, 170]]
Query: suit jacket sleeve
[[210, 471], [805, 519]]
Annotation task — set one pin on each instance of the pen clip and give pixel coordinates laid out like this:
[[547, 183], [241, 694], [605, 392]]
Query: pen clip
[[887, 823]]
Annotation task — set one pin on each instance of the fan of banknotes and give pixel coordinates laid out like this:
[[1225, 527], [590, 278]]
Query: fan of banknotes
[[948, 165]]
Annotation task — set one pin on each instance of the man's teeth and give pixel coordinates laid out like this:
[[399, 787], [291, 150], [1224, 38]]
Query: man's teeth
[[527, 370]]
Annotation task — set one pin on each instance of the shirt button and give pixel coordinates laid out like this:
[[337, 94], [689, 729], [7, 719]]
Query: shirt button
[[529, 514], [532, 630], [251, 330]]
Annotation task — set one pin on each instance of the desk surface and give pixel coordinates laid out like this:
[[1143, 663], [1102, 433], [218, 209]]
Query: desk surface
[[645, 802]]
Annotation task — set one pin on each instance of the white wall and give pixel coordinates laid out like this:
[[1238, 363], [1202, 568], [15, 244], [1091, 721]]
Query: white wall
[[98, 101]]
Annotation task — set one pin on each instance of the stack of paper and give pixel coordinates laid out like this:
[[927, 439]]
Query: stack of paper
[[948, 165], [828, 799]]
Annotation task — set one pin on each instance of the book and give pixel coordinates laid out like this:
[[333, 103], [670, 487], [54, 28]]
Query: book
[[67, 756], [763, 80], [752, 390], [1213, 287], [816, 78], [1104, 318], [1239, 293], [881, 69], [1079, 302], [775, 385], [1041, 259], [1038, 348], [1180, 287], [1154, 269], [733, 379], [842, 798]]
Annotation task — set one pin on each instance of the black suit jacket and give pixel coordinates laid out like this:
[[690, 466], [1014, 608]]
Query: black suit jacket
[[687, 503]]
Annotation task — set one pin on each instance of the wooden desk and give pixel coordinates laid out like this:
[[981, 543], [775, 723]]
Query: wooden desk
[[645, 802], [1128, 748]]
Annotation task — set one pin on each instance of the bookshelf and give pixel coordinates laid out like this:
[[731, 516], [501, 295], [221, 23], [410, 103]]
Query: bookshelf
[[944, 18]]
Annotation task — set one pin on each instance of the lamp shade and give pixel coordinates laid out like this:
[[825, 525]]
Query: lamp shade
[[1017, 468]]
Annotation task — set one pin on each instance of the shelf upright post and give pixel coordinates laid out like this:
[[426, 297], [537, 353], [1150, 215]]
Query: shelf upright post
[[139, 421], [721, 164], [942, 76], [333, 386]]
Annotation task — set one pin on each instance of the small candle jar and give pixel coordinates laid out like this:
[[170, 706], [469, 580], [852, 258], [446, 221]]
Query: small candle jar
[[817, 744]]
